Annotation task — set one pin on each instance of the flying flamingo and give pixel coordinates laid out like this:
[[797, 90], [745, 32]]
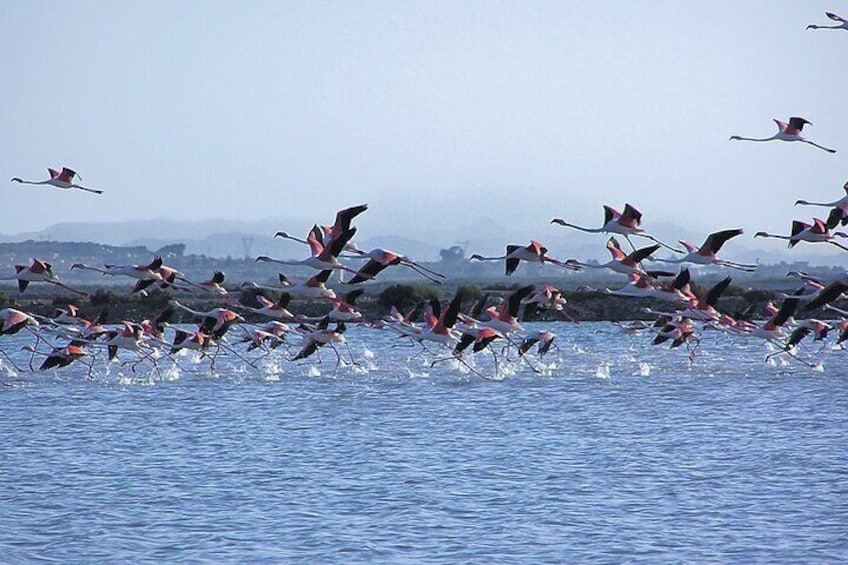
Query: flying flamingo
[[215, 322], [830, 293], [787, 132], [60, 179], [625, 223], [504, 318], [839, 206], [379, 259], [621, 262], [701, 308], [38, 271], [706, 254], [817, 232], [63, 356], [534, 252], [325, 233], [843, 23], [145, 275], [14, 321], [314, 287], [323, 257], [545, 340], [441, 329]]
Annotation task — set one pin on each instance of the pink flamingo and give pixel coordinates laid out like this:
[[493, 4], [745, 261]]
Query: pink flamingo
[[706, 254], [625, 223], [60, 179], [621, 262], [534, 252], [379, 259], [787, 132], [38, 271], [323, 256], [817, 232], [840, 208]]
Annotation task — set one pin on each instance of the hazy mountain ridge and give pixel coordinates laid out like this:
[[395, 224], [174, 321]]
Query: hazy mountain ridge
[[238, 239]]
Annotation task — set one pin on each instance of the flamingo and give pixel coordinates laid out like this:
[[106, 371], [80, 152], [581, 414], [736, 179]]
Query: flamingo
[[706, 254], [14, 321], [817, 232], [321, 336], [679, 329], [60, 179], [38, 271], [702, 307], [325, 234], [534, 252], [840, 208], [545, 339], [843, 23], [145, 275], [441, 329], [830, 293], [323, 256], [63, 356], [621, 262], [194, 341], [379, 259], [625, 223], [647, 286], [504, 318], [214, 322], [772, 329], [545, 297], [314, 287], [787, 132], [215, 284], [811, 289]]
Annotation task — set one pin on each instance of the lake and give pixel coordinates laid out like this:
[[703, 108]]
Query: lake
[[607, 450]]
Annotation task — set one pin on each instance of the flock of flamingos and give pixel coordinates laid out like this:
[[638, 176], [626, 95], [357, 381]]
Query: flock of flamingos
[[453, 331]]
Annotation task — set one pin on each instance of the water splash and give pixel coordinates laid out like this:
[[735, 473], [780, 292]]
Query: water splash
[[313, 371], [643, 370], [603, 371]]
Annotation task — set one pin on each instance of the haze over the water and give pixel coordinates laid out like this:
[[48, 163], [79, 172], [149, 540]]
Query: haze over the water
[[515, 111]]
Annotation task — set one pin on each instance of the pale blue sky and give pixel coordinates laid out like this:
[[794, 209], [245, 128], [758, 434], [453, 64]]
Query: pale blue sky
[[520, 110]]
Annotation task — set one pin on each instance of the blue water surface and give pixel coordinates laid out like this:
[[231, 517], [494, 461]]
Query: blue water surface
[[610, 451]]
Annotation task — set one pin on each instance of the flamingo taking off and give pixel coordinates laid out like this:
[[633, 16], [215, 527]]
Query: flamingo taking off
[[843, 23], [787, 132], [60, 179], [625, 223]]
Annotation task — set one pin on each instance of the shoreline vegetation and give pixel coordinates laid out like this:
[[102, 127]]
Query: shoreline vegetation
[[396, 287], [120, 305]]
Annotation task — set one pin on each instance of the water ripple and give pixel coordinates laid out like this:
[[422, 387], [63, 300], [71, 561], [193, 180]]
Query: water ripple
[[728, 459]]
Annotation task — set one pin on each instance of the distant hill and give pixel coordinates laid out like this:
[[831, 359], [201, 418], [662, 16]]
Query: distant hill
[[239, 239]]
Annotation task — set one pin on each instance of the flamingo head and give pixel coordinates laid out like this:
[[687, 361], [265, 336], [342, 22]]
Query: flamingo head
[[760, 234]]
